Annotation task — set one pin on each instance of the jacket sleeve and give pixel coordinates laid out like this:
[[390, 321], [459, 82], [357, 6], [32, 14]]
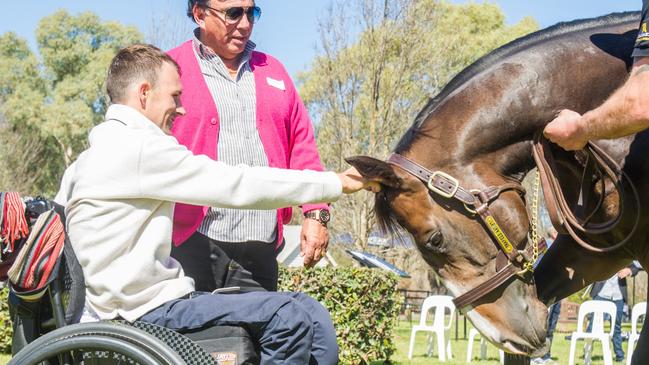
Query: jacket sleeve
[[169, 171], [303, 149]]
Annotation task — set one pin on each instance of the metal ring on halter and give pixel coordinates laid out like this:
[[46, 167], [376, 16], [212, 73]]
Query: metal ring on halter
[[474, 192], [527, 267]]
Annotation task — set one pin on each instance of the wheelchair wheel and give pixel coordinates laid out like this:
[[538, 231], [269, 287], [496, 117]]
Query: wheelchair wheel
[[102, 343]]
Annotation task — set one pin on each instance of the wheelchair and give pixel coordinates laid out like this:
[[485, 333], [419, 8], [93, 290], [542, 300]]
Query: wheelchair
[[46, 329]]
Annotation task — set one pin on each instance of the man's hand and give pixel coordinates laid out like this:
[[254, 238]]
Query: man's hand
[[624, 273], [568, 130], [314, 240], [353, 181]]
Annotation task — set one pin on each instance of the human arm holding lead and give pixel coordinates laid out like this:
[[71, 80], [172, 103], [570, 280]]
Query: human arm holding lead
[[625, 112]]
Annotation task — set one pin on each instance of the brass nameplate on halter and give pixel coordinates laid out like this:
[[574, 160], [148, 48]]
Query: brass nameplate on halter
[[499, 234]]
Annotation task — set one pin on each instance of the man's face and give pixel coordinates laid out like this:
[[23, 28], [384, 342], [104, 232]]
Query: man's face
[[163, 100], [228, 39]]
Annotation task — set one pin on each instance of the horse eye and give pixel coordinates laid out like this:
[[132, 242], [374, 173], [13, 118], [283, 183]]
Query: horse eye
[[434, 242]]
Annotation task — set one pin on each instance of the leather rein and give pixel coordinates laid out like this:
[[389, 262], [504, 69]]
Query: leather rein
[[510, 261], [560, 212]]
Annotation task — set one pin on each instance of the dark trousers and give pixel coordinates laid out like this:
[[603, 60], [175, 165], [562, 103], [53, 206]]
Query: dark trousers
[[553, 318], [291, 328], [214, 264], [617, 329]]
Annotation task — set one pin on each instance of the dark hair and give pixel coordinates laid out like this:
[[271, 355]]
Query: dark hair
[[190, 7], [132, 64]]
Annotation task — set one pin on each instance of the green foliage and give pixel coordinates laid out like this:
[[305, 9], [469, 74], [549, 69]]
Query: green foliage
[[364, 305], [364, 94], [53, 102], [5, 322]]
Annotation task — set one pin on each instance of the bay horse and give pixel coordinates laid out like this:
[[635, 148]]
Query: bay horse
[[468, 150]]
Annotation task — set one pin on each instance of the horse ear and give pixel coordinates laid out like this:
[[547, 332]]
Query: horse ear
[[375, 170]]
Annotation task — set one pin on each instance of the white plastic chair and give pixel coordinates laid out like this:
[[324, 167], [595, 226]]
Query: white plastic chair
[[598, 308], [483, 347], [639, 310], [439, 327]]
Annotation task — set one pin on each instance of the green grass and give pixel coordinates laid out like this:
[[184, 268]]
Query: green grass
[[4, 359], [560, 348]]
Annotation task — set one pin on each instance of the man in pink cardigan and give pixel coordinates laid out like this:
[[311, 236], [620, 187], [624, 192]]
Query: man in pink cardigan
[[242, 109]]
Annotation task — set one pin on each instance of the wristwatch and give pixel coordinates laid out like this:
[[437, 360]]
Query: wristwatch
[[320, 215]]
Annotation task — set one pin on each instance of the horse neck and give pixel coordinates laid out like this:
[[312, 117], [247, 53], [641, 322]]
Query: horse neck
[[504, 103], [463, 148]]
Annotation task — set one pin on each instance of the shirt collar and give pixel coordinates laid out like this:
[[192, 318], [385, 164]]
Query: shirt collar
[[207, 53]]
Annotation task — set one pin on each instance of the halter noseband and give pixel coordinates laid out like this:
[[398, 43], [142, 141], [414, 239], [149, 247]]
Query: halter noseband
[[519, 262]]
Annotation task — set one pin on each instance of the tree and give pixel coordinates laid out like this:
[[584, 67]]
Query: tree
[[364, 94], [51, 103], [169, 26]]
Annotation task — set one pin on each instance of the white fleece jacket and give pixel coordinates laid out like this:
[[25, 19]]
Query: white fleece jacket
[[120, 195]]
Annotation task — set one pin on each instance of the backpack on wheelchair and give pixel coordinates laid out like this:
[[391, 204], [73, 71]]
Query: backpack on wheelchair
[[45, 315]]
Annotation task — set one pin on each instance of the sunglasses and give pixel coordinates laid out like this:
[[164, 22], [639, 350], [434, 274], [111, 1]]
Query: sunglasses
[[234, 14]]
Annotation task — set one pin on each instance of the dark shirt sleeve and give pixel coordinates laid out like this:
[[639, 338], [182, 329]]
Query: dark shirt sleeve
[[641, 48]]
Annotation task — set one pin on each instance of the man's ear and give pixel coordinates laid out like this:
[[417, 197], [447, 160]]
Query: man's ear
[[375, 170], [143, 92], [199, 15]]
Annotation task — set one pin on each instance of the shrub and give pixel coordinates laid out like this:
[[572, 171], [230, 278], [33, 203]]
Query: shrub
[[5, 322], [364, 305]]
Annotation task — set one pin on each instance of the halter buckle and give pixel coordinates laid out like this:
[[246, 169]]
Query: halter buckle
[[455, 184]]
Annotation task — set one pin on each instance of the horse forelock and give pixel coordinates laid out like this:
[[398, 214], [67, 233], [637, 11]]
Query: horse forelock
[[385, 216], [500, 55]]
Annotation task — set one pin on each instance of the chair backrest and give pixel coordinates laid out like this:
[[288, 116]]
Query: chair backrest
[[597, 308], [440, 303], [639, 310]]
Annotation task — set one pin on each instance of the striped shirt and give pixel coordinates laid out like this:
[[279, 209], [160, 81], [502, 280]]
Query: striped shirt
[[238, 143]]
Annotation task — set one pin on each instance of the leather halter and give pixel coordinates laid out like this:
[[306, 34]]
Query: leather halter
[[510, 261]]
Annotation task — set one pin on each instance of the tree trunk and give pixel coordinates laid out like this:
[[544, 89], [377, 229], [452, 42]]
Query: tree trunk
[[516, 359]]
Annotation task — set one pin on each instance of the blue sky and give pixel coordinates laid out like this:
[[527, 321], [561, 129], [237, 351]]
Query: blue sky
[[288, 28]]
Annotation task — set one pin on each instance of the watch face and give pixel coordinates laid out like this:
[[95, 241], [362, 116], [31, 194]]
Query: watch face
[[324, 216]]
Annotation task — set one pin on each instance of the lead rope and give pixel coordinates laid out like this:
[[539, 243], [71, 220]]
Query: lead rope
[[534, 233]]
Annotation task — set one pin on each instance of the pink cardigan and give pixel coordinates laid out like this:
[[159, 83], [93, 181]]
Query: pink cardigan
[[283, 123]]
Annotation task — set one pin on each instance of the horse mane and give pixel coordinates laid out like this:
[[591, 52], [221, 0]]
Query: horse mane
[[509, 49], [386, 219]]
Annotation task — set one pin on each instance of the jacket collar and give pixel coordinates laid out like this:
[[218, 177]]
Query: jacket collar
[[130, 118]]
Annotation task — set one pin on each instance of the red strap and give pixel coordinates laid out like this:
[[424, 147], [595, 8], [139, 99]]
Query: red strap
[[45, 245], [58, 238], [14, 225]]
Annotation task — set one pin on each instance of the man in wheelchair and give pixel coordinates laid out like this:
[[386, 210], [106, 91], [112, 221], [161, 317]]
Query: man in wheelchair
[[119, 197]]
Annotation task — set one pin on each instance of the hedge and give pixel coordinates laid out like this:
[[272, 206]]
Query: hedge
[[364, 305], [5, 322]]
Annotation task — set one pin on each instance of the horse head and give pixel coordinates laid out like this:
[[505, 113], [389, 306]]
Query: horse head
[[459, 248]]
